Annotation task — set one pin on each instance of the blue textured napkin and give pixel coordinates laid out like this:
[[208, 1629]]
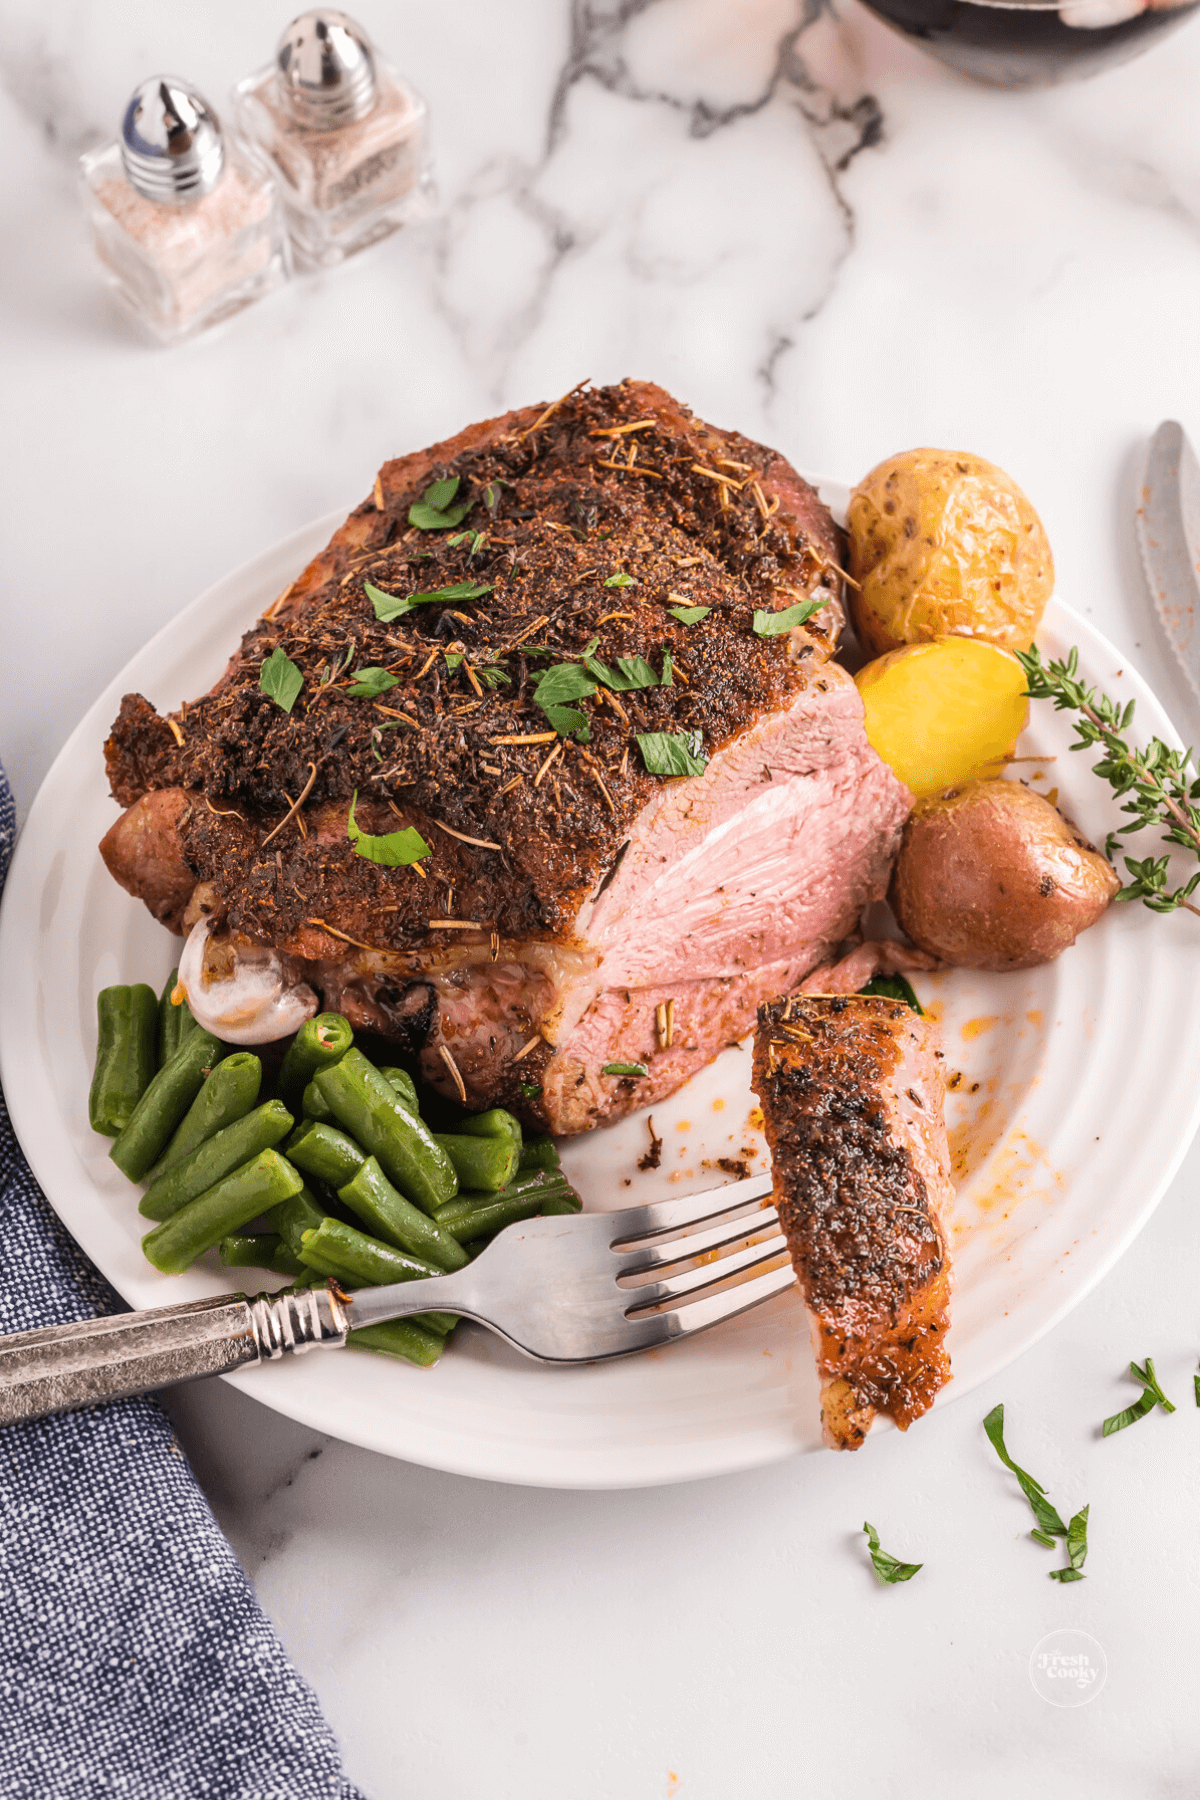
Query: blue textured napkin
[[135, 1660]]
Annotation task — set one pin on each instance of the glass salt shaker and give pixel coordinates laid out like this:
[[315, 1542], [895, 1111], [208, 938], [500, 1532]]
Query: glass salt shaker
[[345, 136], [187, 228]]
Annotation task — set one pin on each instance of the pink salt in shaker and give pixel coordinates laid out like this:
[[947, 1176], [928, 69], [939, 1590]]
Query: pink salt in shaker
[[187, 228], [345, 137]]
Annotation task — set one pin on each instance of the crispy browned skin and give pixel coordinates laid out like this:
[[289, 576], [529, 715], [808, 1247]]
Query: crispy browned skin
[[564, 521], [852, 1096]]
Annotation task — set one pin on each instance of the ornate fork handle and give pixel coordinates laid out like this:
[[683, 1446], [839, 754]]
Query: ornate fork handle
[[66, 1366]]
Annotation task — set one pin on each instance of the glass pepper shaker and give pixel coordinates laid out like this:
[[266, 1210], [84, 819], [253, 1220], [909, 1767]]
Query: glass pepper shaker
[[187, 228], [345, 136]]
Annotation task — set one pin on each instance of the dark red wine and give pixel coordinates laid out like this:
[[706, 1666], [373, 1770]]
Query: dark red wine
[[1028, 45]]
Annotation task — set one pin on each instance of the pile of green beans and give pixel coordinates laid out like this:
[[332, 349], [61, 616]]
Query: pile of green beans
[[333, 1159]]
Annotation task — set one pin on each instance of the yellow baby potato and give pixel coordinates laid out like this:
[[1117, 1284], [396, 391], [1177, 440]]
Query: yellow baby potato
[[945, 712], [945, 544]]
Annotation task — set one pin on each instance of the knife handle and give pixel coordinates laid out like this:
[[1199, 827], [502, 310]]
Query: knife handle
[[61, 1367]]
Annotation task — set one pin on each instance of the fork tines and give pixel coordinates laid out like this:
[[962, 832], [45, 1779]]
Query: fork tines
[[715, 1286]]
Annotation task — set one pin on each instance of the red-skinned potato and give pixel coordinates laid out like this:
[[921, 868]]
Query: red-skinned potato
[[991, 876]]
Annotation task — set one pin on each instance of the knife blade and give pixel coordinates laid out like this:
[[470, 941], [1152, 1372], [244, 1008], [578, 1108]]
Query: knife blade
[[1168, 531]]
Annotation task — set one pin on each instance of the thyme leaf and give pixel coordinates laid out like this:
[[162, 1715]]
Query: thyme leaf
[[689, 615], [885, 1566], [635, 1069], [280, 679], [1158, 785], [620, 580]]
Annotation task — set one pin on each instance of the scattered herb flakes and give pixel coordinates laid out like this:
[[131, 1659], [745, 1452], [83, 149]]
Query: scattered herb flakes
[[634, 1069], [886, 1567], [1077, 1549], [394, 606], [1151, 1396], [368, 684], [280, 679], [668, 670], [1045, 1514], [453, 658], [1043, 1537], [530, 1089], [620, 580], [894, 987], [1196, 1388], [493, 675], [630, 672], [777, 624], [434, 512], [672, 752], [394, 850], [565, 681], [689, 615]]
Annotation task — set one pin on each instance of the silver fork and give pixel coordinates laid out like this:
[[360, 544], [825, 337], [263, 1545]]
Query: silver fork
[[552, 1287]]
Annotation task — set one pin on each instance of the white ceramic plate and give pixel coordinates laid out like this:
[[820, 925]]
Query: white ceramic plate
[[1078, 1098]]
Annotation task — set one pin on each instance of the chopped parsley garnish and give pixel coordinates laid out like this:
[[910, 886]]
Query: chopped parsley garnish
[[672, 752], [634, 1069], [1049, 1524], [394, 850], [620, 579], [434, 512], [885, 1566], [689, 615], [1151, 1396], [777, 624], [394, 606], [1077, 1548], [280, 679], [894, 987], [368, 684]]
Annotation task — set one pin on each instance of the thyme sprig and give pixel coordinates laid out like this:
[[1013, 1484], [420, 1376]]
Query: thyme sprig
[[1159, 784]]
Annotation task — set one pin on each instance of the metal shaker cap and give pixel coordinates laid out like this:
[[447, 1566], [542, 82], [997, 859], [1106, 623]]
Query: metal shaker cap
[[171, 144], [326, 69]]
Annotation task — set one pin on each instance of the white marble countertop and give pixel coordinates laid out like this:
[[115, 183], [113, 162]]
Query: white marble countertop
[[811, 233]]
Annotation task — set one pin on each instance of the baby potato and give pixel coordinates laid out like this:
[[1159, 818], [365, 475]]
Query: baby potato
[[991, 876], [945, 544], [944, 712]]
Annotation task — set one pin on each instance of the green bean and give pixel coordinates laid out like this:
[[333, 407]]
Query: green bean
[[326, 1152], [492, 1212], [399, 1337], [559, 1206], [350, 1256], [292, 1218], [536, 1184], [284, 1262], [406, 1091], [396, 1220], [496, 1123], [210, 1162], [319, 1043], [313, 1107], [481, 1162], [369, 1109], [174, 1022], [228, 1094], [127, 1022], [539, 1153], [221, 1211], [164, 1103], [239, 1251]]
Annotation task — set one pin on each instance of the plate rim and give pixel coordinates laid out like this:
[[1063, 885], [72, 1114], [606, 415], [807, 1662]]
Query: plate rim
[[303, 543]]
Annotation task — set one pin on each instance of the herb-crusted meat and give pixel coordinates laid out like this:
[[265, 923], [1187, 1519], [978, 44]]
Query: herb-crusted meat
[[852, 1095], [577, 906]]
